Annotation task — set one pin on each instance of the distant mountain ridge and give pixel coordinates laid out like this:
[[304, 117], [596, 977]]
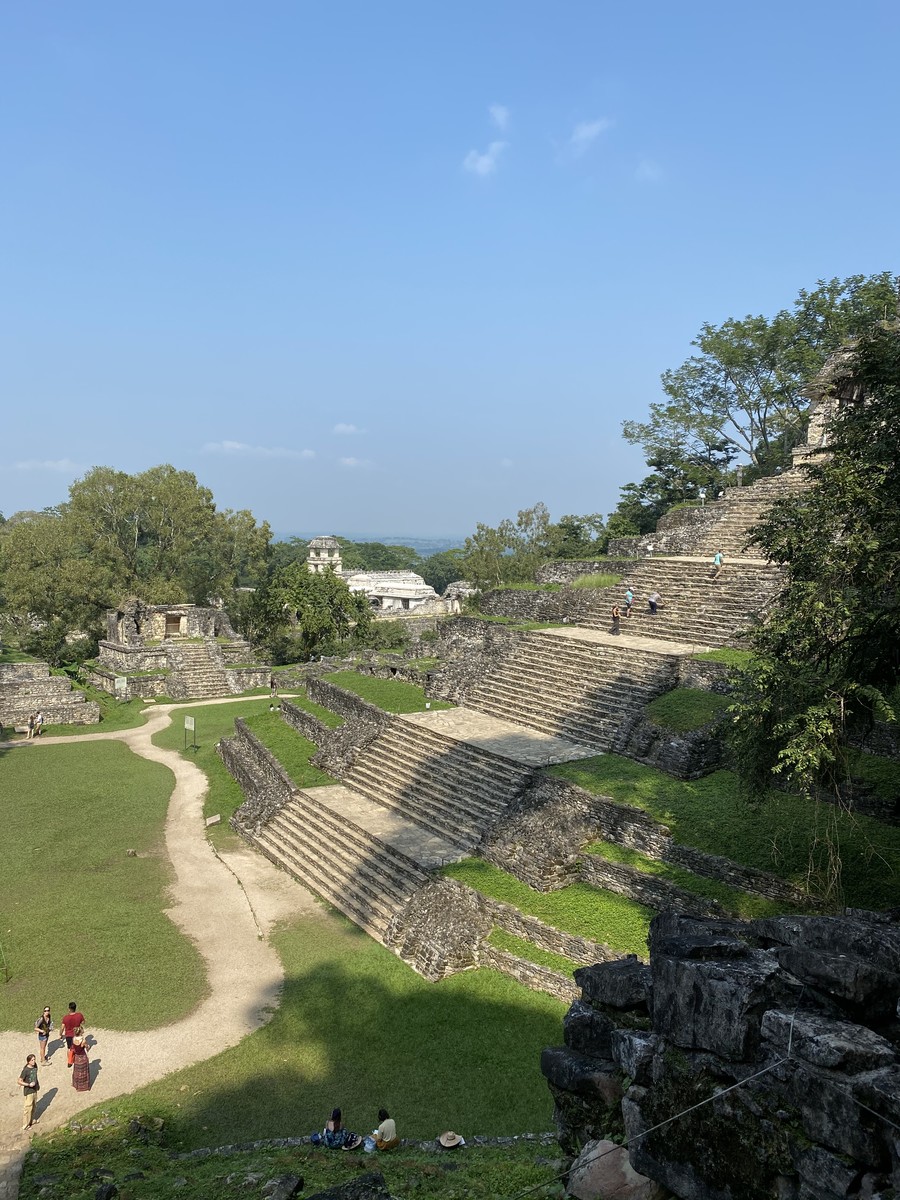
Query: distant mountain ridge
[[424, 546]]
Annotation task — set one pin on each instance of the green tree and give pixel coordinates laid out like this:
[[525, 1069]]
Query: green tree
[[442, 568], [376, 556], [827, 659], [743, 395], [577, 537], [319, 607], [157, 534]]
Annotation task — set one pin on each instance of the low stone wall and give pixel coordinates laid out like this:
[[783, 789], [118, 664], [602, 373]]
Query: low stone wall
[[241, 679], [678, 532], [655, 893], [687, 755], [529, 974], [27, 688], [568, 570], [546, 937], [469, 649], [362, 724], [145, 687], [266, 786], [705, 675], [124, 660], [527, 605]]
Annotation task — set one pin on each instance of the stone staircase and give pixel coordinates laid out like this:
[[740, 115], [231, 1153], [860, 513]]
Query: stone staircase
[[742, 508], [196, 669], [30, 688], [583, 690], [451, 788], [360, 874], [693, 609]]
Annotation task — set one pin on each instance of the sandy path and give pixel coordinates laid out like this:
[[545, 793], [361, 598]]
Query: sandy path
[[223, 904]]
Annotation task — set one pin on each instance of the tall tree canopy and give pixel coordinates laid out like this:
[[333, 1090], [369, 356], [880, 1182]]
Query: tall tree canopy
[[828, 658], [741, 396], [157, 534], [513, 551]]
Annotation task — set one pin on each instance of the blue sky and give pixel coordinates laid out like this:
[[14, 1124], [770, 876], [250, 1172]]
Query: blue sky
[[402, 267]]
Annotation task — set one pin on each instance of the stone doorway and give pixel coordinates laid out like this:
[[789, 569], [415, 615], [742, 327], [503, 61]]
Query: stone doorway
[[173, 625]]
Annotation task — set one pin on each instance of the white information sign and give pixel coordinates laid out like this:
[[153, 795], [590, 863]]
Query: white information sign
[[189, 723], [121, 685]]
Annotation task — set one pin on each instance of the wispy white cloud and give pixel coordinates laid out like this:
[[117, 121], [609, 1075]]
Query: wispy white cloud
[[648, 171], [343, 427], [486, 163], [248, 451], [48, 464], [586, 133], [499, 114], [354, 463]]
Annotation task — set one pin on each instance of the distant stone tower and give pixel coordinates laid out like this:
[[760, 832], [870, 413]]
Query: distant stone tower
[[324, 552]]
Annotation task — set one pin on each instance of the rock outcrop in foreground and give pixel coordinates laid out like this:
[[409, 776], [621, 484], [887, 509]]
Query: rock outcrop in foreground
[[804, 1010]]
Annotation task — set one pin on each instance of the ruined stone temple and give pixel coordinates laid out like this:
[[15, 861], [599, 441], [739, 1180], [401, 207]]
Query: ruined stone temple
[[176, 650], [28, 687], [799, 1011], [393, 592]]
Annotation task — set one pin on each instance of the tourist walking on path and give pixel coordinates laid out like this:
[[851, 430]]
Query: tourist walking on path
[[39, 723], [81, 1067], [28, 1080], [629, 600], [616, 615], [718, 564], [273, 684], [44, 1027], [72, 1023], [653, 600], [30, 726]]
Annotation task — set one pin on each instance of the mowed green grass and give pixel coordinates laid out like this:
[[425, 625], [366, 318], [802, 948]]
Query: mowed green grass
[[212, 722], [393, 695], [292, 750], [586, 911], [787, 835], [79, 920], [358, 1028]]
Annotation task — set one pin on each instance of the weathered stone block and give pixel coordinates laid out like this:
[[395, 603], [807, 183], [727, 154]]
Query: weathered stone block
[[573, 1072], [602, 1171], [633, 1051], [587, 1031], [828, 1176], [620, 985], [836, 1045]]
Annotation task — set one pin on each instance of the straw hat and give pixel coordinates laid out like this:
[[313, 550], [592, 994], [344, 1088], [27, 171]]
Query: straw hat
[[450, 1139]]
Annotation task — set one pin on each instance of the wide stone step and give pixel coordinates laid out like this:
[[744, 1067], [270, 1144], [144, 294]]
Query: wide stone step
[[339, 861], [307, 872], [444, 820], [600, 735], [461, 807], [577, 683], [444, 758], [480, 796]]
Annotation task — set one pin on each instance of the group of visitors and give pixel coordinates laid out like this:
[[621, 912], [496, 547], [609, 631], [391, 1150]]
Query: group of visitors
[[73, 1039], [35, 724], [383, 1137], [336, 1136], [653, 602]]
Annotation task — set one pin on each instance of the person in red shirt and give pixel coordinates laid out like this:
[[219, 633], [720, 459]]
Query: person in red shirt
[[71, 1021]]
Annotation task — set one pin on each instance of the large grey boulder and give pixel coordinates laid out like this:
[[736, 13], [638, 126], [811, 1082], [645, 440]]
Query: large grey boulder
[[602, 1171]]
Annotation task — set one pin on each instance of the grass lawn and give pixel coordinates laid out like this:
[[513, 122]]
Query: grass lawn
[[358, 1028], [475, 1172], [784, 835], [81, 921], [683, 709], [531, 953], [726, 655], [291, 749], [732, 900], [579, 908], [325, 715], [9, 654], [213, 722], [602, 580], [393, 695]]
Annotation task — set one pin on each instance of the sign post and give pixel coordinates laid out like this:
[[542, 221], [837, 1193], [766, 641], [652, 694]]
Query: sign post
[[189, 725]]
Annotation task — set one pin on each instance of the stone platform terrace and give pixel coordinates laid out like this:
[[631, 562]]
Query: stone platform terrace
[[528, 747]]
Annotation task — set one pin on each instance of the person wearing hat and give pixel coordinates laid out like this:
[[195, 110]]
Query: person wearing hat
[[451, 1140]]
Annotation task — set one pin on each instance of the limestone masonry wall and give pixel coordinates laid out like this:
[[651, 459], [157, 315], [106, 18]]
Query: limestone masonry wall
[[800, 1012], [266, 786], [470, 649], [567, 571]]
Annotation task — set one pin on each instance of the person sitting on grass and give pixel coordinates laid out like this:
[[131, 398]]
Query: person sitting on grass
[[386, 1134], [335, 1136]]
